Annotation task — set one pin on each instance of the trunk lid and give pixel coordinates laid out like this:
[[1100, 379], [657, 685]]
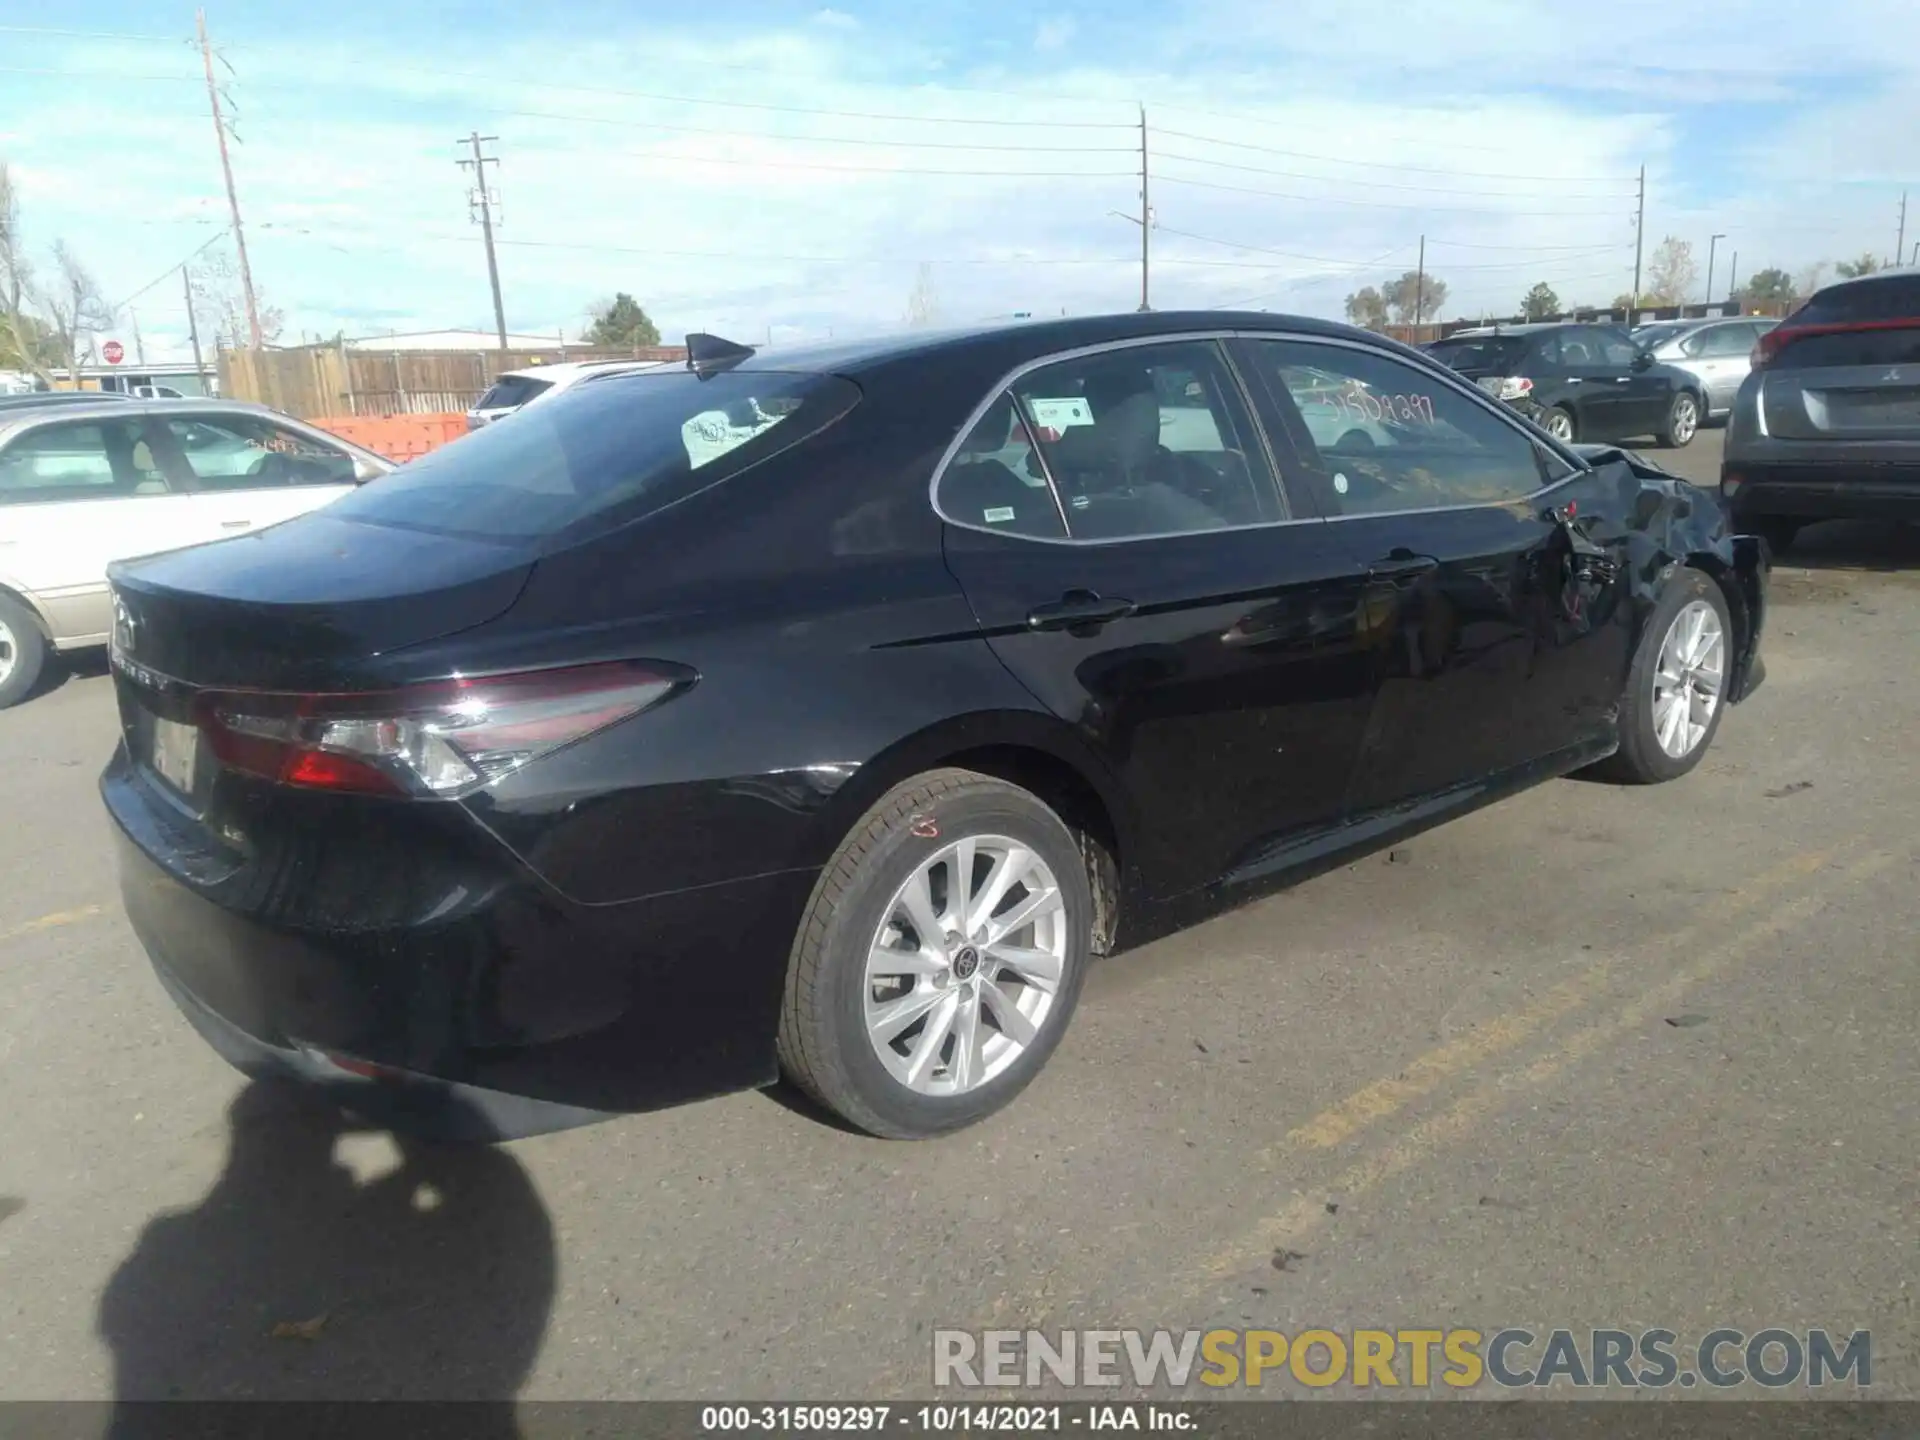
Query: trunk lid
[[297, 605]]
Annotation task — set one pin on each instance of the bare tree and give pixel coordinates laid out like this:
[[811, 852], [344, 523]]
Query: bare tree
[[1809, 278], [1671, 273], [220, 303], [1415, 298], [923, 305], [21, 335], [1367, 308], [1867, 264], [75, 309]]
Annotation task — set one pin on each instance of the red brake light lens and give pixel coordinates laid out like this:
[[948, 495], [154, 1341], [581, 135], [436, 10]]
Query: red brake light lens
[[1769, 346], [435, 740]]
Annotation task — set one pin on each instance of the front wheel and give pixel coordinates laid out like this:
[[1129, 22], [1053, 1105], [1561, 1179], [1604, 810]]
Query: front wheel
[[1676, 687], [1558, 422], [23, 652], [940, 959], [1682, 422]]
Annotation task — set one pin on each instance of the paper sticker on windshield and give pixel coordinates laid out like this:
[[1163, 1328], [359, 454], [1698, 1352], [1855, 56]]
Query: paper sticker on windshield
[[1340, 483], [999, 514]]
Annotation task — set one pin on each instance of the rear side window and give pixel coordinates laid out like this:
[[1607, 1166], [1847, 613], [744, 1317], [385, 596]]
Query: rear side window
[[1894, 298], [603, 454], [79, 462], [995, 479], [1888, 310], [1492, 352], [510, 392]]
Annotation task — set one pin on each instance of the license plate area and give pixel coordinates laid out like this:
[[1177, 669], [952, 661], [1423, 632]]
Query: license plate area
[[173, 754]]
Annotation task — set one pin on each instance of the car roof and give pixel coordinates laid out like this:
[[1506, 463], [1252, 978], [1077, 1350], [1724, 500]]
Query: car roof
[[35, 399], [575, 369], [20, 419], [1039, 337]]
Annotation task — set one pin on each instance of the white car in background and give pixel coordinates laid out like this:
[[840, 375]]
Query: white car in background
[[85, 484], [514, 389]]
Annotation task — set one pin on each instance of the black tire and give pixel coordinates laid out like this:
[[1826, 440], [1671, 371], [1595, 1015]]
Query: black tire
[[1640, 759], [20, 640], [1779, 531], [823, 1043], [1547, 423], [1683, 421]]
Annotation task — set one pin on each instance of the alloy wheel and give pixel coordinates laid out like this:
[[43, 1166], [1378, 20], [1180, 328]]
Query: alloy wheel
[[1688, 679], [1560, 425], [9, 652], [1686, 419], [962, 973]]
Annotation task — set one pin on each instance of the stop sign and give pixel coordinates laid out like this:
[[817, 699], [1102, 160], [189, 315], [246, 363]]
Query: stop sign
[[114, 351]]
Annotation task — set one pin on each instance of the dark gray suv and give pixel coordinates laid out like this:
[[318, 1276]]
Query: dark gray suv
[[1827, 427]]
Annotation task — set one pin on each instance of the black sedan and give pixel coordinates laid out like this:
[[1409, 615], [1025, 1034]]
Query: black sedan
[[1580, 382], [825, 714]]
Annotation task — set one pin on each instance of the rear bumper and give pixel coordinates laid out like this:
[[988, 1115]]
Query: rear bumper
[[1834, 490], [470, 1002]]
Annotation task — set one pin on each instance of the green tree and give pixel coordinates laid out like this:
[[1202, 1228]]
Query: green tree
[[1853, 269], [1414, 298], [1540, 303], [621, 323], [1770, 291]]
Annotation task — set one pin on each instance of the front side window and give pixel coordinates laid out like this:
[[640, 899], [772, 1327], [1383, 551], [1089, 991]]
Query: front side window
[[1387, 437], [1614, 349], [78, 462], [243, 452], [1148, 440], [612, 450], [510, 392]]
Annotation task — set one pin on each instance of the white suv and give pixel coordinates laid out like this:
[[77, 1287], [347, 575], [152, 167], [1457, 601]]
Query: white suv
[[514, 389], [83, 485]]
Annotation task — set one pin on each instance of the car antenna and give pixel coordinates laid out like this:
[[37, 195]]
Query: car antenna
[[709, 354]]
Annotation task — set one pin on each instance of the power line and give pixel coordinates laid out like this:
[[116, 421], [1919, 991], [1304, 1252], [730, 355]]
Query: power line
[[1373, 204], [819, 139], [845, 169], [1386, 165], [91, 34], [1383, 184], [167, 273], [1584, 253]]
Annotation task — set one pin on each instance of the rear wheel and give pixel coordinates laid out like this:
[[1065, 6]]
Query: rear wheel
[[1677, 685], [1682, 423], [1779, 531], [1558, 422], [941, 957], [23, 652]]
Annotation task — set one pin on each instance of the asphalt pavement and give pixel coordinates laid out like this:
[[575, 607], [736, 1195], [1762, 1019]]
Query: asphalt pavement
[[1594, 1057]]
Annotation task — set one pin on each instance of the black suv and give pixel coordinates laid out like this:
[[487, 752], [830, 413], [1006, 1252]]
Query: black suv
[[1580, 382]]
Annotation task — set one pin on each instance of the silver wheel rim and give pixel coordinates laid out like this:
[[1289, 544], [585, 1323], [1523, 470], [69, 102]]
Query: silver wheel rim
[[1686, 684], [1686, 417], [9, 653], [1559, 425], [966, 963]]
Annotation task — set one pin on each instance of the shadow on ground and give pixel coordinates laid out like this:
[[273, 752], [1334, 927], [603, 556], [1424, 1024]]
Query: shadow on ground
[[296, 1279], [1854, 545]]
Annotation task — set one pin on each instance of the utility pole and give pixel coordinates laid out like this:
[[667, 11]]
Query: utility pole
[[1733, 278], [1146, 212], [480, 201], [1639, 239], [1712, 241], [1419, 291], [1900, 245], [193, 329], [233, 198], [139, 345]]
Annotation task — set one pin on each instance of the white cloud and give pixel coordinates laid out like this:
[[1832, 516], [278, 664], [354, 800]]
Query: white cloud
[[1054, 33], [1301, 137], [835, 19]]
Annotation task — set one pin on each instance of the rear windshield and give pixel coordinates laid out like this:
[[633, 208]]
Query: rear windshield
[[1486, 352], [631, 444], [510, 392], [1893, 298]]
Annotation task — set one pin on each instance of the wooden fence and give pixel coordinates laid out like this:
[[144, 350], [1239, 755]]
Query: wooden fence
[[311, 381]]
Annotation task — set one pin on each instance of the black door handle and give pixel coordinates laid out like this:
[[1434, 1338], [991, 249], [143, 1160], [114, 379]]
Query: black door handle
[[1402, 567], [1080, 611]]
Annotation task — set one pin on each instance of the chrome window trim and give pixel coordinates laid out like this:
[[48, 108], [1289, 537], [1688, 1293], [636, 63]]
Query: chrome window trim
[[1535, 437]]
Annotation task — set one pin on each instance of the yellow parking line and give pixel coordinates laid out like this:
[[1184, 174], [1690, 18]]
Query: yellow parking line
[[1427, 1072], [50, 922], [1293, 1222]]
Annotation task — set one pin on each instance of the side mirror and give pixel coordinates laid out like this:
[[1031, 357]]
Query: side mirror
[[1643, 360], [365, 470]]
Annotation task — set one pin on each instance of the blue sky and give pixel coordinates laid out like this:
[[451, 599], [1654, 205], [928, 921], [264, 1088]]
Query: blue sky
[[756, 167]]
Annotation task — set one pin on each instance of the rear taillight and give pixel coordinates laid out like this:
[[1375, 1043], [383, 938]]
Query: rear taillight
[[442, 739], [1769, 346], [1506, 387], [1767, 349]]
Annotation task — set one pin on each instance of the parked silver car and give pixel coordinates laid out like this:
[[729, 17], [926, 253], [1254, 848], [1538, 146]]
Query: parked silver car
[[1716, 352], [1827, 427]]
